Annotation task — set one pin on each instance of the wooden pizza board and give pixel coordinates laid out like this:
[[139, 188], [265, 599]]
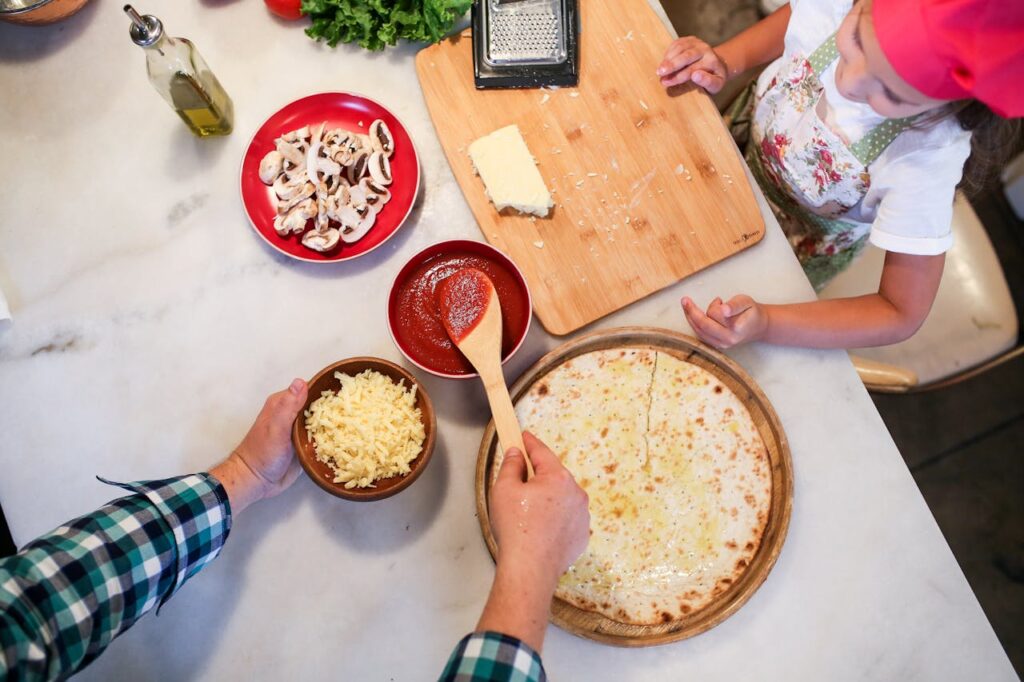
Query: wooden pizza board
[[649, 188], [593, 625]]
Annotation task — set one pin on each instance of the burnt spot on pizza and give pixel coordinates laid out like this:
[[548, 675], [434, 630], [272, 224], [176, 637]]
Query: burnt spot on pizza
[[649, 488], [749, 546], [659, 479], [610, 468], [699, 420], [604, 434], [740, 565], [666, 617], [685, 608], [605, 605], [611, 482], [728, 412], [749, 499], [718, 388], [543, 389], [622, 613], [731, 544], [617, 511]]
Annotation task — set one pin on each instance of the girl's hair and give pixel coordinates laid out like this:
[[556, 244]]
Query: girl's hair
[[993, 140]]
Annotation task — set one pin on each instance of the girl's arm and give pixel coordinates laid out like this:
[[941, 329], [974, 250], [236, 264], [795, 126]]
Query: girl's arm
[[691, 59], [905, 295], [757, 45]]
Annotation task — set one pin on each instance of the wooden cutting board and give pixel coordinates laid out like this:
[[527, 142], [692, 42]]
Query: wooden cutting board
[[648, 187], [594, 625]]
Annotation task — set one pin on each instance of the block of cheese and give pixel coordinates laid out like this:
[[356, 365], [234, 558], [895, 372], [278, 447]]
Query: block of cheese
[[510, 175]]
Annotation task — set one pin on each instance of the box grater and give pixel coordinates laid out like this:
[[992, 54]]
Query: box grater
[[525, 43]]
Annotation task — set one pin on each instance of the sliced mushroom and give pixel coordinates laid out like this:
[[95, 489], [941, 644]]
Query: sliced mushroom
[[357, 169], [287, 188], [321, 241], [292, 152], [296, 135], [357, 194], [357, 232], [304, 193], [380, 137], [341, 154], [379, 168], [376, 195], [294, 222], [270, 167]]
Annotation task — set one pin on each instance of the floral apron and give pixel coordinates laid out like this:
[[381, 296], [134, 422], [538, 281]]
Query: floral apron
[[810, 174]]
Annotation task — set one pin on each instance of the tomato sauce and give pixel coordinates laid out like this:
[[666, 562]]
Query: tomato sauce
[[417, 313], [462, 299]]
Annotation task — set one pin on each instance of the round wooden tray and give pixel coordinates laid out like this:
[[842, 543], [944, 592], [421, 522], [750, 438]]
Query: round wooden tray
[[596, 626]]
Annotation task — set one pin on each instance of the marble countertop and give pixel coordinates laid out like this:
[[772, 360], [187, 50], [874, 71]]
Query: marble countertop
[[150, 322]]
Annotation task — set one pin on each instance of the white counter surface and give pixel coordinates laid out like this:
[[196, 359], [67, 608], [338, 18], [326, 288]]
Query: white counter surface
[[150, 322]]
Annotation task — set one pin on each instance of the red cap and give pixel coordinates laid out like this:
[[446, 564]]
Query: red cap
[[957, 49]]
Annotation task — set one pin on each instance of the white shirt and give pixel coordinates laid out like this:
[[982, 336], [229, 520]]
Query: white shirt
[[910, 201]]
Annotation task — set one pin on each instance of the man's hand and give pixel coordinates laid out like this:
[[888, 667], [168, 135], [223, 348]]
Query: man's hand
[[264, 463], [725, 325], [544, 522], [691, 59], [541, 527]]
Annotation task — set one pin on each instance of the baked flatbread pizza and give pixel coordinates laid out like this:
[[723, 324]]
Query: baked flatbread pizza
[[678, 477]]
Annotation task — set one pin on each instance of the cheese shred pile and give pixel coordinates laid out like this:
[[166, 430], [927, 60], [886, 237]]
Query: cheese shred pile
[[368, 430]]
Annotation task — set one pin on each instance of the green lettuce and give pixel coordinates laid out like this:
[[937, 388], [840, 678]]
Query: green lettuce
[[375, 24]]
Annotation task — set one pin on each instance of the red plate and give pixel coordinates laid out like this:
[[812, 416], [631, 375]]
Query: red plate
[[339, 110]]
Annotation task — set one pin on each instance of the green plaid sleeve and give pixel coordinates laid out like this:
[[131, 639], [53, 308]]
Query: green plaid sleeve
[[66, 595], [492, 656]]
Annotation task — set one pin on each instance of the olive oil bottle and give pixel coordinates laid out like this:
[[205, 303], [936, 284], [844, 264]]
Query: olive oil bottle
[[179, 74]]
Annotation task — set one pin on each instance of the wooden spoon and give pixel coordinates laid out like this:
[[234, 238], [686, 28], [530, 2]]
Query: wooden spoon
[[471, 314]]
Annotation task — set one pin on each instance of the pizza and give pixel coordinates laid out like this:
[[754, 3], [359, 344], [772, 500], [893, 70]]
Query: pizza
[[677, 473]]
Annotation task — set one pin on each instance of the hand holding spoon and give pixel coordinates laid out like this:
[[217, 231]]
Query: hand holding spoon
[[471, 314]]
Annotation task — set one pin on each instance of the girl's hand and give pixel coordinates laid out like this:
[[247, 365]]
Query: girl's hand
[[725, 325], [691, 59]]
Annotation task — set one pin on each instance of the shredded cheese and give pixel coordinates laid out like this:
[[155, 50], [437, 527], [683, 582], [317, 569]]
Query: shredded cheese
[[368, 430]]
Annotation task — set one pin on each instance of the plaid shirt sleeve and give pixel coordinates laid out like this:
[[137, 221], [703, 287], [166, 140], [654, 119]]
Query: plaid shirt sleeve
[[69, 593], [493, 657]]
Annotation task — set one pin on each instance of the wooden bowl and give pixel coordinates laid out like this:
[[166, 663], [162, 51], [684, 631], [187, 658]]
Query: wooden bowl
[[321, 473]]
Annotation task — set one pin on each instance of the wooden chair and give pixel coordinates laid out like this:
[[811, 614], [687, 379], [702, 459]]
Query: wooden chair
[[972, 326]]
